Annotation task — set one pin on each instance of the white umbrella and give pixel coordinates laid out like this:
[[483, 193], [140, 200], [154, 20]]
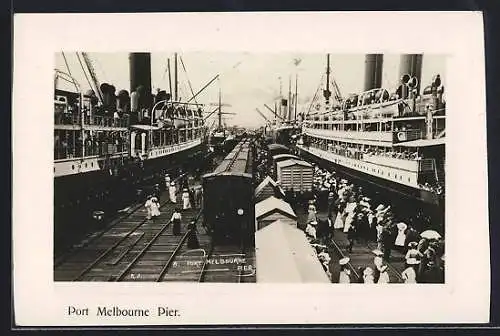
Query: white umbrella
[[430, 234]]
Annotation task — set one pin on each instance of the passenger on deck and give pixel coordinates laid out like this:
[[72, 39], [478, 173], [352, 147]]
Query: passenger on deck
[[186, 204], [172, 193], [176, 222], [155, 208], [345, 272]]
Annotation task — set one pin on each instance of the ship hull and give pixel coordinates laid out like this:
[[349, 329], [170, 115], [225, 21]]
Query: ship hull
[[76, 196]]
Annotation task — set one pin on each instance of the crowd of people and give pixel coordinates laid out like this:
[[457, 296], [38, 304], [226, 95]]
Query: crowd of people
[[191, 198], [350, 211]]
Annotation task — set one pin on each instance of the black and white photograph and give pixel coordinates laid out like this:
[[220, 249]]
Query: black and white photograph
[[280, 168], [252, 172]]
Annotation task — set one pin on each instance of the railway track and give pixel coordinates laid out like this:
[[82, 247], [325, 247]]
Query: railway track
[[123, 250], [152, 262], [96, 235], [228, 264]]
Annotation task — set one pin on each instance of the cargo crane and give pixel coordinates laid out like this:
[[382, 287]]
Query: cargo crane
[[94, 80], [263, 116]]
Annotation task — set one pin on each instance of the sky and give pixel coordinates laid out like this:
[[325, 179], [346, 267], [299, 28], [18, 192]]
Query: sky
[[247, 81]]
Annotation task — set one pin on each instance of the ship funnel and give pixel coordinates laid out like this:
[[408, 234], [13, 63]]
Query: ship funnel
[[373, 71], [140, 76], [410, 70]]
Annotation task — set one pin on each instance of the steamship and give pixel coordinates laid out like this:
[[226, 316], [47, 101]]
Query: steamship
[[395, 140], [106, 144]]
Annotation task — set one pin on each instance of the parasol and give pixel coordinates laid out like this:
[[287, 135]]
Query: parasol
[[430, 234]]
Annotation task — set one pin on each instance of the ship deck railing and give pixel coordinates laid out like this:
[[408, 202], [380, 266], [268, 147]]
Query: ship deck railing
[[381, 136], [62, 154], [416, 164], [105, 121], [74, 119]]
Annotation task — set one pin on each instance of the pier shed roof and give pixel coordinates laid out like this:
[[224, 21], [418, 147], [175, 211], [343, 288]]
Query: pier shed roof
[[284, 255]]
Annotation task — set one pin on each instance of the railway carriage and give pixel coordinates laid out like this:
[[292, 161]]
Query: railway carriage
[[228, 198]]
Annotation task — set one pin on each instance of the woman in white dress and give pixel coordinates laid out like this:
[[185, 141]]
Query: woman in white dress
[[401, 237], [172, 193], [368, 277], [311, 229], [384, 276], [155, 208], [147, 205], [186, 204], [409, 275], [349, 209], [413, 256], [339, 219], [345, 273]]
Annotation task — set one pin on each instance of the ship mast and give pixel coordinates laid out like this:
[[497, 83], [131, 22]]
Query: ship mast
[[296, 97], [220, 110], [176, 92], [289, 114], [169, 77], [327, 93]]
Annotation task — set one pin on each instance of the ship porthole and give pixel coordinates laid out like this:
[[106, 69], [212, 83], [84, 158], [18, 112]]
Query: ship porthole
[[92, 164], [72, 167], [85, 165]]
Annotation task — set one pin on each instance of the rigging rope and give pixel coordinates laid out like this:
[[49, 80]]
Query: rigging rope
[[69, 70], [189, 82], [83, 69], [315, 94]]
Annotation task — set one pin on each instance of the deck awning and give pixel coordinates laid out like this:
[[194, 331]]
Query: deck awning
[[284, 255], [422, 143]]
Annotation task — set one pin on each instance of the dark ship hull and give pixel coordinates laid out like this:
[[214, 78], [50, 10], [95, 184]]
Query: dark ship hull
[[77, 196]]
